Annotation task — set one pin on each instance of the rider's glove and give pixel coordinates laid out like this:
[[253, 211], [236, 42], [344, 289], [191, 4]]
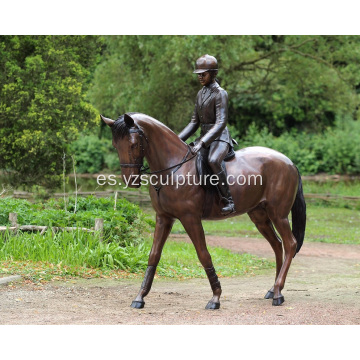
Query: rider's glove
[[197, 147]]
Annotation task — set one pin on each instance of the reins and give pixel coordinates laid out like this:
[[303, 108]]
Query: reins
[[183, 161], [143, 170], [176, 167]]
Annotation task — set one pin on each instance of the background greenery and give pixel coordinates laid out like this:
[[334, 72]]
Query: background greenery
[[122, 251], [123, 225], [335, 150], [298, 94], [277, 82], [43, 106], [327, 224]]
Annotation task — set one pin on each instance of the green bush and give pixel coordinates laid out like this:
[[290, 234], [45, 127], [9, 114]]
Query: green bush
[[111, 160], [335, 151], [89, 154], [123, 226], [73, 249], [94, 155], [67, 254]]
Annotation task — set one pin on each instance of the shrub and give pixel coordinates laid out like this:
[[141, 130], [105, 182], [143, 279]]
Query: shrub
[[89, 153], [125, 225], [74, 249], [335, 151]]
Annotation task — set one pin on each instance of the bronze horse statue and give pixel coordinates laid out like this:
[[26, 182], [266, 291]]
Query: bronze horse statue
[[267, 202]]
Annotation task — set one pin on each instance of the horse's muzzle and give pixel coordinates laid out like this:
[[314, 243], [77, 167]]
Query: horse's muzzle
[[132, 180]]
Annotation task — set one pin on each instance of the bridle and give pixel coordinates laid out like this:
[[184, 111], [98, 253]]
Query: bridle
[[142, 150], [140, 165], [142, 154]]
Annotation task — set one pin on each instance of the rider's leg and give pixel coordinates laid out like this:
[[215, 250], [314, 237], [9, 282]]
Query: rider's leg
[[217, 153]]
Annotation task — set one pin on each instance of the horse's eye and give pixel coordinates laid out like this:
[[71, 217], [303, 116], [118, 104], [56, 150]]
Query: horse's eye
[[134, 146]]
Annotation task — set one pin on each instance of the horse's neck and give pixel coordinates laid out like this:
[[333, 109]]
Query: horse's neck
[[163, 148]]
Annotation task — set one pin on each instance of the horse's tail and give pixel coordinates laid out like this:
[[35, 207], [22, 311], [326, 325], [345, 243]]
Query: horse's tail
[[298, 215]]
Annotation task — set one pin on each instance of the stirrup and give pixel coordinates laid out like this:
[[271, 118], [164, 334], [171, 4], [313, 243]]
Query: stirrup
[[228, 209]]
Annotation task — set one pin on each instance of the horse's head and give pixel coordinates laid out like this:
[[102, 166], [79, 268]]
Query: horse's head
[[128, 139]]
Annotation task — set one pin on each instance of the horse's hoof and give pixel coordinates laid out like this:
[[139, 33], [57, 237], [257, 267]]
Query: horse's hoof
[[269, 295], [137, 304], [212, 306], [278, 301]]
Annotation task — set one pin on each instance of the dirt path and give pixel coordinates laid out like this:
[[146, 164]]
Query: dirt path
[[323, 287]]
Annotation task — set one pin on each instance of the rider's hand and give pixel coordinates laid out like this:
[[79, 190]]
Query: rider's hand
[[197, 147]]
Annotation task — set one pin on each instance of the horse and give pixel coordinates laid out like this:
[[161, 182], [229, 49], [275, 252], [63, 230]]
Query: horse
[[267, 202]]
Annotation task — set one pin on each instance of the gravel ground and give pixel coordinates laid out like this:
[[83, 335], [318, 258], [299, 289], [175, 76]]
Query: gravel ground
[[322, 288]]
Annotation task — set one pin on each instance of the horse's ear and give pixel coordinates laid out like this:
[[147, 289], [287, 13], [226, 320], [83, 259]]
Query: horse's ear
[[129, 121], [107, 121]]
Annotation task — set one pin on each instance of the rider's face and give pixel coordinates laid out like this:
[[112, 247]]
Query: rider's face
[[205, 78]]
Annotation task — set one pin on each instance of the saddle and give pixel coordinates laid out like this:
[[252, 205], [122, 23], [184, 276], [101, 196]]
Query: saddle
[[203, 170]]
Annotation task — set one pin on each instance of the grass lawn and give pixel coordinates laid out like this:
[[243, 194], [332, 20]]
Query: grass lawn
[[342, 188], [66, 256], [42, 258], [324, 224], [334, 221], [179, 260]]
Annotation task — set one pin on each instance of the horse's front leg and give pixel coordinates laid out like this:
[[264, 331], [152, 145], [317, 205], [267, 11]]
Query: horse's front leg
[[194, 228], [162, 230]]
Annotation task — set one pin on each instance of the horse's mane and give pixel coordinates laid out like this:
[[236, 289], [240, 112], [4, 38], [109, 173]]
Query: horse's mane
[[120, 128]]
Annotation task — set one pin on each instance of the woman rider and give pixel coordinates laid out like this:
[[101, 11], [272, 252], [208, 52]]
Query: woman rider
[[211, 113]]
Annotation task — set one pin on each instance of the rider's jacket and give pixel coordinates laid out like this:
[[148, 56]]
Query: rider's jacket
[[211, 113]]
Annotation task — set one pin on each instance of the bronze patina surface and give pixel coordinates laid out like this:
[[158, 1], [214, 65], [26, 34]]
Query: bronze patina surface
[[267, 202], [211, 114]]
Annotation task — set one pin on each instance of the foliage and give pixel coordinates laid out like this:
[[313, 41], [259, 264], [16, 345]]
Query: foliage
[[42, 102], [47, 257], [73, 249], [276, 82], [122, 226], [89, 152], [80, 254], [94, 154], [335, 150]]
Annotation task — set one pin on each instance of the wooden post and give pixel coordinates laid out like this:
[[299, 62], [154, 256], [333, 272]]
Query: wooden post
[[116, 195], [13, 219], [99, 226]]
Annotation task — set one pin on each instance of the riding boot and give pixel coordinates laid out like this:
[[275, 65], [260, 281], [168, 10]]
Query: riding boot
[[224, 191]]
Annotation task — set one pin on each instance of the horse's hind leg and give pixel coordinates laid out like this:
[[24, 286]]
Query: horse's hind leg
[[261, 219], [283, 227], [194, 228], [162, 230]]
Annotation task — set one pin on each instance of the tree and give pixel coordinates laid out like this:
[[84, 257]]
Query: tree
[[43, 108], [278, 82]]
